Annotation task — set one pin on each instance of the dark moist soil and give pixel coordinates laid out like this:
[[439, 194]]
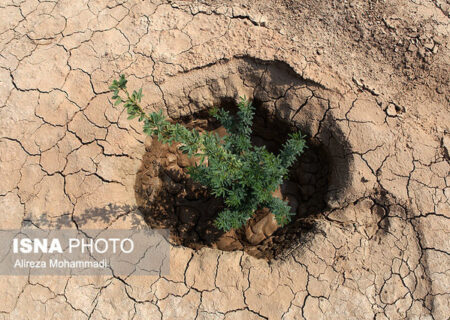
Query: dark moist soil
[[170, 199]]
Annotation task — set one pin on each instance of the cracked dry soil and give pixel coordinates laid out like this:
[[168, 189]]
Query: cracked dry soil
[[367, 81], [169, 199]]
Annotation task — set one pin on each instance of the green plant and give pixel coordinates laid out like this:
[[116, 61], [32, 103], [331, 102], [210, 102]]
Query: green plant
[[245, 176]]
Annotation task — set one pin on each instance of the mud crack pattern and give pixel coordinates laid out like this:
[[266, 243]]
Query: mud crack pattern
[[369, 80]]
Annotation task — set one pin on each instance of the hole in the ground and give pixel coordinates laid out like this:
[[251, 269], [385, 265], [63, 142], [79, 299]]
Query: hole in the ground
[[170, 200]]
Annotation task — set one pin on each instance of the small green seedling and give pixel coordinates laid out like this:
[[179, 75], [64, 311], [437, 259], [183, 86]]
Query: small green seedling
[[243, 175]]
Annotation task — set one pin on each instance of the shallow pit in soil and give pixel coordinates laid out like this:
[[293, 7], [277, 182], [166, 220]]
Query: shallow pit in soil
[[170, 199]]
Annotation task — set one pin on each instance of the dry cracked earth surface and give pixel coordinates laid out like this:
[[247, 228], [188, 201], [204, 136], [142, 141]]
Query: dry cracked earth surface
[[365, 80]]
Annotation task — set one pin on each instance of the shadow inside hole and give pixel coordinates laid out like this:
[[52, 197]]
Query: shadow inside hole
[[169, 199]]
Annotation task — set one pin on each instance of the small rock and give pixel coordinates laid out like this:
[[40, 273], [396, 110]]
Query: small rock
[[229, 242], [270, 225], [264, 228], [171, 158]]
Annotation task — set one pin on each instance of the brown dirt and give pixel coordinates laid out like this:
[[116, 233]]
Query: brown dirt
[[368, 81], [170, 199]]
